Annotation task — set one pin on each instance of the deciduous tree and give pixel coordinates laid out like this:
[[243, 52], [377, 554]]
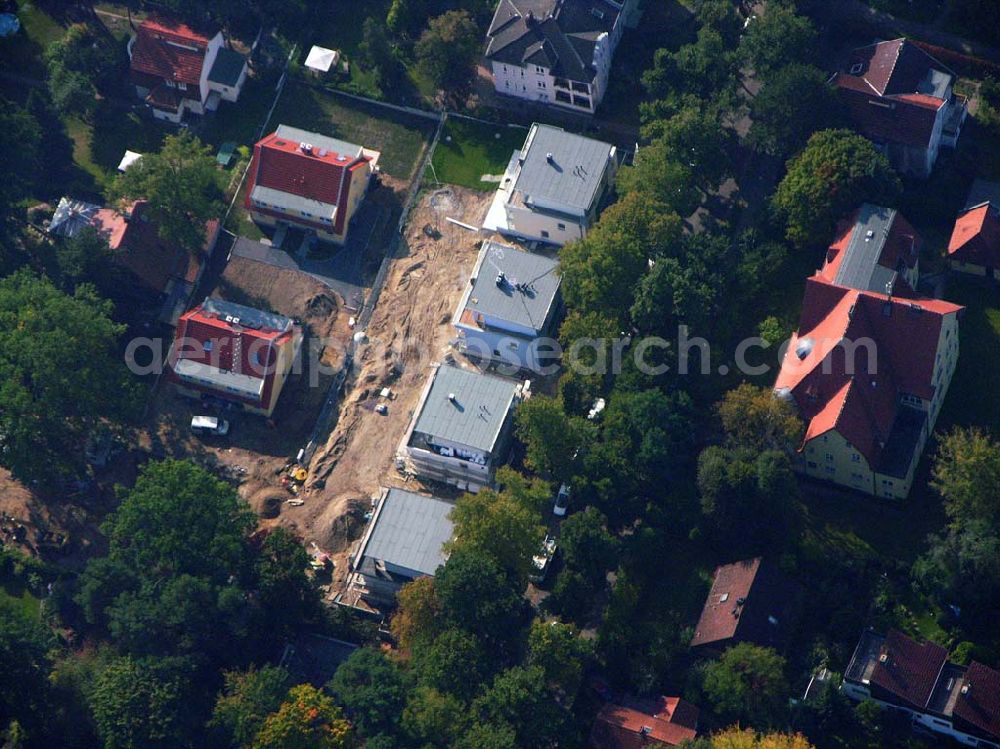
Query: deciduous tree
[[372, 690], [60, 373], [248, 697], [837, 170], [776, 38], [181, 183], [308, 719], [447, 50], [795, 102], [747, 684]]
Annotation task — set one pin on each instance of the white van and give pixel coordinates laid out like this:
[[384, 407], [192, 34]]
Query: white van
[[209, 425]]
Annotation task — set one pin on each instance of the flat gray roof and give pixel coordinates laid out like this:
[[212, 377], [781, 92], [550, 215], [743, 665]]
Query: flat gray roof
[[248, 317], [482, 402], [860, 268], [409, 530], [528, 289], [320, 142], [575, 172], [228, 67]]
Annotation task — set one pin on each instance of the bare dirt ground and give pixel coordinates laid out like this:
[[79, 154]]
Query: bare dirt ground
[[256, 450], [409, 330]]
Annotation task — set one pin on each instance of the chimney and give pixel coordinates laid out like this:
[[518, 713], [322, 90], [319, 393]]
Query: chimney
[[451, 397], [550, 158]]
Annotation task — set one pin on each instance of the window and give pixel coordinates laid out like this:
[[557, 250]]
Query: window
[[207, 345], [855, 458], [829, 457], [545, 234], [539, 69], [541, 84], [562, 227], [857, 476], [812, 464], [887, 483], [831, 469]]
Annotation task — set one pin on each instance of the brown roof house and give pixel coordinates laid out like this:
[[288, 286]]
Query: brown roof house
[[901, 98], [634, 723], [962, 702], [750, 601]]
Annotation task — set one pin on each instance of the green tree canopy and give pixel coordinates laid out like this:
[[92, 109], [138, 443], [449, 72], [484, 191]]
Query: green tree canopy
[[178, 570], [140, 703], [777, 37], [372, 690], [479, 596], [504, 525], [446, 52], [753, 418], [25, 692], [560, 652], [747, 684], [60, 373], [795, 102], [966, 474], [20, 138], [587, 545], [181, 183], [837, 170], [600, 271], [520, 699], [308, 719], [551, 437], [697, 137], [248, 697], [434, 719]]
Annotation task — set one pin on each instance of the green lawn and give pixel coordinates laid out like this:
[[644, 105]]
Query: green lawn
[[469, 149], [20, 598], [973, 398], [116, 130], [22, 53], [399, 137]]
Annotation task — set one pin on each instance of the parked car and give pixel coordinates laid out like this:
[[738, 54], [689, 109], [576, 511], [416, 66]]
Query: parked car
[[543, 560], [562, 501], [209, 425]]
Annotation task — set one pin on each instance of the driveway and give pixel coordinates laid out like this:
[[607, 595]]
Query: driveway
[[342, 271]]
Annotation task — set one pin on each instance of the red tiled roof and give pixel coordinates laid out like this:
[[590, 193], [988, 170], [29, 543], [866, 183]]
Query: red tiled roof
[[279, 163], [135, 243], [979, 706], [745, 596], [976, 236], [901, 246], [910, 670], [667, 720], [232, 347], [817, 369], [169, 50], [882, 97]]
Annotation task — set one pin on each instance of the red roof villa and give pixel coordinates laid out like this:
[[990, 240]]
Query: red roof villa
[[158, 270], [637, 723], [236, 353], [975, 241], [177, 69], [309, 181], [750, 601], [901, 98], [871, 361], [962, 702]]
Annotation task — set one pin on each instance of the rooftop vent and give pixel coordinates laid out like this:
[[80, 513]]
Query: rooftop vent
[[306, 147], [883, 658], [646, 730], [451, 397], [501, 279], [723, 598], [967, 687], [868, 235], [803, 348], [550, 158], [597, 13]]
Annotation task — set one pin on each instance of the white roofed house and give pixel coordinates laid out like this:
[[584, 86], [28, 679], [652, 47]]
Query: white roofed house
[[510, 308], [403, 542], [556, 51], [460, 431], [553, 187]]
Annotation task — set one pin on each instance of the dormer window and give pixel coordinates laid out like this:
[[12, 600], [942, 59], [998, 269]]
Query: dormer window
[[857, 67], [182, 86]]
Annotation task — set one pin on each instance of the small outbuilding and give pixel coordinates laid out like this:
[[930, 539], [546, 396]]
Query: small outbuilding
[[320, 60]]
